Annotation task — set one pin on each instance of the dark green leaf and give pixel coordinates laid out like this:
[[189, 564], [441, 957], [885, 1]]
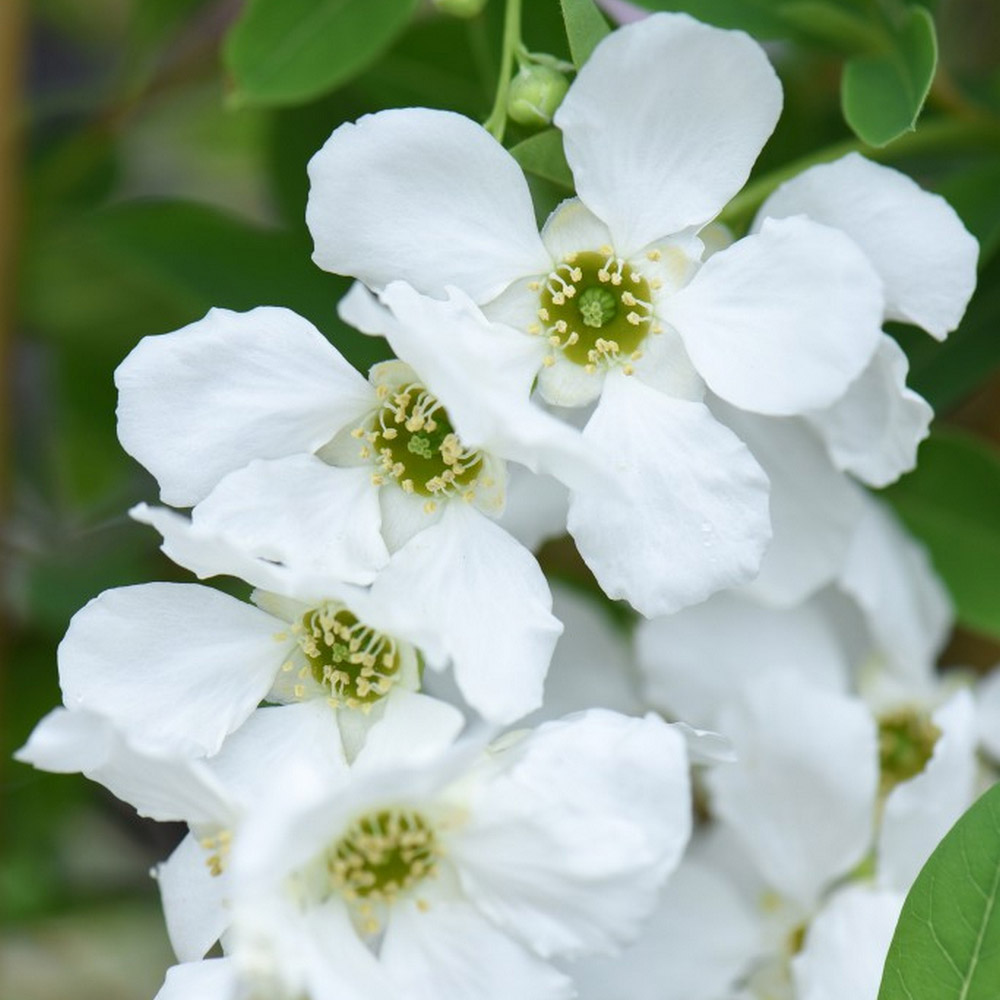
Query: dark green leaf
[[947, 942], [882, 92], [585, 27], [543, 156], [952, 503], [290, 51]]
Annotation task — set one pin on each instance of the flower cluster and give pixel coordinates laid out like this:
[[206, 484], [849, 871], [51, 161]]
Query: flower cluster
[[700, 413]]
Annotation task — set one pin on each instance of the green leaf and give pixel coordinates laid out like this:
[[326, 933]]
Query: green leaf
[[952, 503], [543, 156], [289, 51], [947, 942], [882, 92], [585, 27]]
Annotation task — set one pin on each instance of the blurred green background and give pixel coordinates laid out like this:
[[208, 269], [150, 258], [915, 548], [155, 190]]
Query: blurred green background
[[153, 165]]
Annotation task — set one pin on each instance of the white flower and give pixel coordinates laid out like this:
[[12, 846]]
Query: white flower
[[661, 127], [464, 876], [823, 794], [181, 666], [301, 626], [421, 868]]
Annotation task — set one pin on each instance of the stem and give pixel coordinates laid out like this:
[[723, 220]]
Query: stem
[[933, 136], [497, 121]]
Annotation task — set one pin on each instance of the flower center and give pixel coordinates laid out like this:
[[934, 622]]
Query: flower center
[[354, 662], [595, 308], [412, 442], [906, 740], [383, 854]]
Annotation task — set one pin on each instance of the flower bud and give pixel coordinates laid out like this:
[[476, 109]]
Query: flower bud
[[460, 8], [534, 95]]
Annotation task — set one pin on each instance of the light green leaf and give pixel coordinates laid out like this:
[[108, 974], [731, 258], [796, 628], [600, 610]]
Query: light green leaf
[[585, 27], [290, 51], [883, 92], [952, 503], [543, 156], [947, 942]]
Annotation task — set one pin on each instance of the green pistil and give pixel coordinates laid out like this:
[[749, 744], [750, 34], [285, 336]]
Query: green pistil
[[382, 855], [906, 741], [411, 441], [356, 664], [596, 309], [420, 445]]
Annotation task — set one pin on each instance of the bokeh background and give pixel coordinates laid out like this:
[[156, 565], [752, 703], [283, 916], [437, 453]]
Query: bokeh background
[[153, 165]]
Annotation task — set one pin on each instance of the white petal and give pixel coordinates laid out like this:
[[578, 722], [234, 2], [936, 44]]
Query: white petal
[[663, 123], [565, 383], [156, 784], [195, 902], [801, 797], [592, 665], [574, 835], [312, 517], [212, 980], [914, 239], [208, 553], [336, 964], [484, 594], [174, 665], [783, 321], [988, 713], [846, 946], [919, 812], [384, 205], [483, 374], [573, 228], [279, 746], [405, 515], [815, 510], [695, 661], [284, 950], [696, 518], [873, 430], [701, 938], [451, 951], [536, 507], [905, 604], [414, 730], [200, 402]]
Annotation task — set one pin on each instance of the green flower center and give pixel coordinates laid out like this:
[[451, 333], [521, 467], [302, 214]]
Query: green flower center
[[383, 854], [906, 740], [412, 443], [596, 309], [356, 664]]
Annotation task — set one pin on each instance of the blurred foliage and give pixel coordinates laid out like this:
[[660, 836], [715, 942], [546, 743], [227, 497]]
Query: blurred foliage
[[165, 172]]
